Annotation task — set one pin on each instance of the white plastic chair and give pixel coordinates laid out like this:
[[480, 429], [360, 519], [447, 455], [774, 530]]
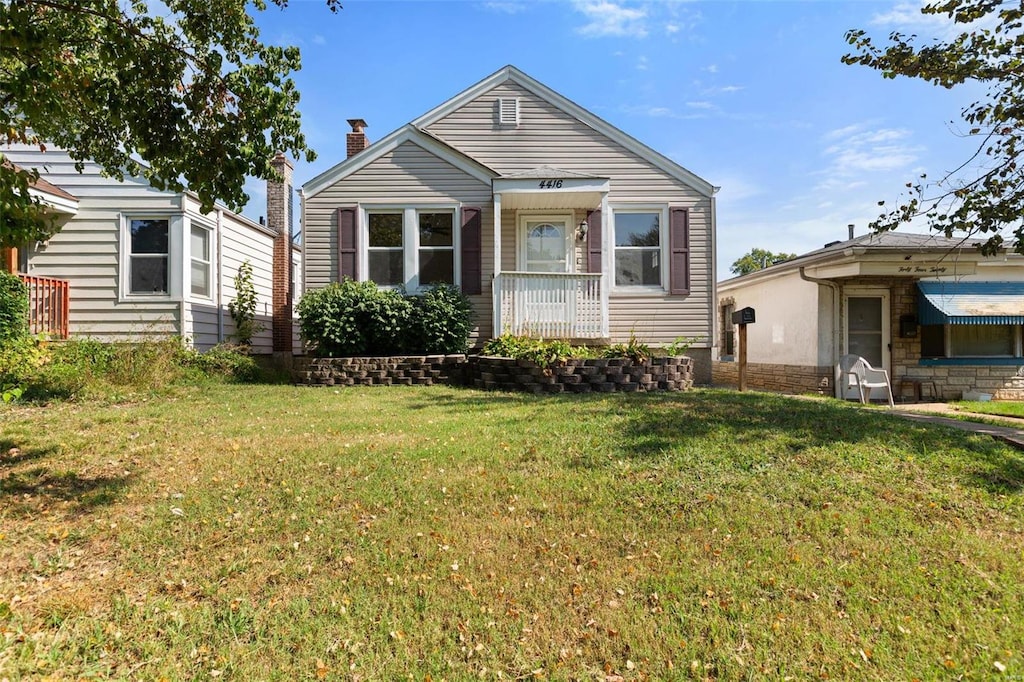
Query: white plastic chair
[[854, 371]]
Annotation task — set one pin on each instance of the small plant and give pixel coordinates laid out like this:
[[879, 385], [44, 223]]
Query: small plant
[[633, 349], [243, 307], [538, 351], [681, 345], [13, 307]]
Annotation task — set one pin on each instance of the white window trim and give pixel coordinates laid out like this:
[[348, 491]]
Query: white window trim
[[410, 240], [211, 231], [663, 238], [175, 229], [570, 236]]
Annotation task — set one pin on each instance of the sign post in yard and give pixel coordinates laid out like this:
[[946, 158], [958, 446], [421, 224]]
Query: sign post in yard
[[743, 317]]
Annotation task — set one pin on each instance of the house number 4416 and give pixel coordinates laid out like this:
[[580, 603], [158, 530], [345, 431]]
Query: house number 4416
[[550, 184]]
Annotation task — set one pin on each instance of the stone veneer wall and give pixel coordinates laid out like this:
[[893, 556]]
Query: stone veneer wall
[[611, 375], [795, 379], [576, 375]]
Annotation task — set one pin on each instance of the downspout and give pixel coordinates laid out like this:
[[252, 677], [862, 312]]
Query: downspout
[[713, 308], [836, 299], [220, 277]]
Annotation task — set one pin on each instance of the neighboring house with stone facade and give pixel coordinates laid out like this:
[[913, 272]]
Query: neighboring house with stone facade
[[934, 312], [132, 262], [552, 221]]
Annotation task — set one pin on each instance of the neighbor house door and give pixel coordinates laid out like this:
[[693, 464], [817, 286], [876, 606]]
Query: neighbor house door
[[866, 312]]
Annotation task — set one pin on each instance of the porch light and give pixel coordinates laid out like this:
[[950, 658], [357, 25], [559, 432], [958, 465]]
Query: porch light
[[581, 230]]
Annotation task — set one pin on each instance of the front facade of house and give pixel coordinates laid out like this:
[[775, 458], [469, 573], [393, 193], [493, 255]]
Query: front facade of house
[[942, 319], [137, 263], [554, 222]]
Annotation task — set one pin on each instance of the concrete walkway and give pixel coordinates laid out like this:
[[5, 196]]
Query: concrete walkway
[[932, 413]]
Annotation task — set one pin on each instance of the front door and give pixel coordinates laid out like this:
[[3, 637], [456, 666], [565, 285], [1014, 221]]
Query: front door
[[545, 245], [546, 301], [867, 327]]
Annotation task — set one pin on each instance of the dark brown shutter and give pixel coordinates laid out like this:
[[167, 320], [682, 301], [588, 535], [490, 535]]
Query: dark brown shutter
[[594, 241], [472, 243], [679, 251], [348, 254]]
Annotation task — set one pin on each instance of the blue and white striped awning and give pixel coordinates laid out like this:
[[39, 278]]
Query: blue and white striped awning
[[971, 302]]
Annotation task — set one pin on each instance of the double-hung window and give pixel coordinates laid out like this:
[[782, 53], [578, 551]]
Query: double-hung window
[[411, 247], [148, 256], [384, 247], [638, 248], [200, 255]]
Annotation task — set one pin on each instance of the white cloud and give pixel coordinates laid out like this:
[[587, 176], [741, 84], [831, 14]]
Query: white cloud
[[671, 28], [907, 16], [700, 105], [857, 150], [319, 39], [506, 7], [608, 19], [711, 68], [641, 64]]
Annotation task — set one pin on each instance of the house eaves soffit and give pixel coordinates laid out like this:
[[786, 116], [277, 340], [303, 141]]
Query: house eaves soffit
[[407, 133]]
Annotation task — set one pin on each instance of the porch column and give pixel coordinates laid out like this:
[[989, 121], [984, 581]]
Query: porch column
[[496, 279], [607, 276]]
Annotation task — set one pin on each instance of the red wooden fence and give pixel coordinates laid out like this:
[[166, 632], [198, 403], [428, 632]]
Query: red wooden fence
[[47, 305]]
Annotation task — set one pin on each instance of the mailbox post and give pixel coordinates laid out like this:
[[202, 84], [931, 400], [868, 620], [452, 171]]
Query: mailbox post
[[743, 317]]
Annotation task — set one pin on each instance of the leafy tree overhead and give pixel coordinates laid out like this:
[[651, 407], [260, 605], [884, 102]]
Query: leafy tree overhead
[[757, 259], [985, 195], [184, 85]]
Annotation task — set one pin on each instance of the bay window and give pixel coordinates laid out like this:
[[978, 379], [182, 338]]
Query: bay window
[[148, 256]]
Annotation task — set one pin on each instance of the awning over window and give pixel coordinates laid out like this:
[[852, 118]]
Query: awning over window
[[971, 302]]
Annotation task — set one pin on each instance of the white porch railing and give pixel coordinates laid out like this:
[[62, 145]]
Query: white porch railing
[[550, 305]]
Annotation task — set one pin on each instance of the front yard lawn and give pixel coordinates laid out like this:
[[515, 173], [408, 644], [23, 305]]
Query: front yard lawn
[[284, 533]]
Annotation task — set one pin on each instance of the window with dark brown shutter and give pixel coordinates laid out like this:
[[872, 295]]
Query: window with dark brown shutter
[[347, 252], [472, 242], [679, 251]]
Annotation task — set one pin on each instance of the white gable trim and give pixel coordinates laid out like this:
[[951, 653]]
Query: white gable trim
[[511, 73], [407, 133]]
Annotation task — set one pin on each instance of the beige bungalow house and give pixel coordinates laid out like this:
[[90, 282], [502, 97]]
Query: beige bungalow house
[[132, 262], [942, 319], [554, 222]]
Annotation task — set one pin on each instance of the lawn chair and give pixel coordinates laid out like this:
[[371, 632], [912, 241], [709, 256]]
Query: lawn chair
[[853, 371]]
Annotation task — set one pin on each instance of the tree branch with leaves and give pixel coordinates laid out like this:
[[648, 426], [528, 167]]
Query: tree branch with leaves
[[183, 94], [985, 195]]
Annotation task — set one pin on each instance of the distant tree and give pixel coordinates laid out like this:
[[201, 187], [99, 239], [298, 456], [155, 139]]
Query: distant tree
[[757, 259], [985, 195], [185, 86]]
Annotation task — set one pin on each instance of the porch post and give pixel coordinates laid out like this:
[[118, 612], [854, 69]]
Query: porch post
[[607, 276], [495, 278]]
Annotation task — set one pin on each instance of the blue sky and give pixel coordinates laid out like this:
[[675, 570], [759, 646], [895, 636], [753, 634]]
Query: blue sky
[[751, 96]]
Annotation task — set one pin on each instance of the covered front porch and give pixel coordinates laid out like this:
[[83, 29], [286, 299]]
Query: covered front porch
[[549, 276]]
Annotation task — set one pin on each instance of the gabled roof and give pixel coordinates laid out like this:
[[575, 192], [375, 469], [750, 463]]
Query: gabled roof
[[514, 75], [49, 193], [407, 133], [871, 243], [548, 172]]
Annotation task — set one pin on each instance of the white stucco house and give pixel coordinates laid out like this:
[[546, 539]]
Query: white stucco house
[[942, 319], [132, 262], [552, 221]]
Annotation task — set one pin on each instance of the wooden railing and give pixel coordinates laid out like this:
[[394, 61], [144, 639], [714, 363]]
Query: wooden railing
[[550, 305], [47, 305]]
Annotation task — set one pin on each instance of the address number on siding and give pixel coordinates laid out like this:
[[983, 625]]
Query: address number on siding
[[550, 184]]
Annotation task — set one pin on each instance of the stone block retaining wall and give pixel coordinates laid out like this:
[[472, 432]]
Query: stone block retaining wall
[[493, 373]]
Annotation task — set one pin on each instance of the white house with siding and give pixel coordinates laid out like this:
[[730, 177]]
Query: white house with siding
[[137, 263], [553, 221], [942, 319]]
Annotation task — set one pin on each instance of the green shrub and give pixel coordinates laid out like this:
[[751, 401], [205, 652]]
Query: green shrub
[[440, 321], [223, 361], [538, 351], [243, 306], [13, 307], [357, 318], [633, 349]]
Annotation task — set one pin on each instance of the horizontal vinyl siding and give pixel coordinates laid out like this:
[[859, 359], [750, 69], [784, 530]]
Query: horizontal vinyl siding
[[407, 175], [86, 251], [547, 136], [241, 243]]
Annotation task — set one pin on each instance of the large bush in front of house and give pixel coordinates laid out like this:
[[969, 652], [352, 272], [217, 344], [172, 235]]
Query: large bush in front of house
[[440, 321], [13, 307], [356, 318]]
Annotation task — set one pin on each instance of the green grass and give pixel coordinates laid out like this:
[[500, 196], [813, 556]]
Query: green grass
[[1002, 408], [284, 533]]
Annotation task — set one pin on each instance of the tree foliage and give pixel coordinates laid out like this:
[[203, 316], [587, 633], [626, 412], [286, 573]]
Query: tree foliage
[[757, 259], [985, 195], [184, 85]]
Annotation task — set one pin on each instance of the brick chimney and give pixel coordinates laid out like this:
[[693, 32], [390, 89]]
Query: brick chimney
[[279, 219], [356, 140]]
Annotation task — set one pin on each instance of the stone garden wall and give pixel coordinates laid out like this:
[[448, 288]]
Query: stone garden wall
[[605, 375]]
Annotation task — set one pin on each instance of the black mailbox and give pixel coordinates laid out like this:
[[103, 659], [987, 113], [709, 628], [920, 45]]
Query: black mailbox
[[743, 316]]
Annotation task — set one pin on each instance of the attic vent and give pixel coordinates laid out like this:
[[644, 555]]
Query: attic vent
[[508, 111]]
